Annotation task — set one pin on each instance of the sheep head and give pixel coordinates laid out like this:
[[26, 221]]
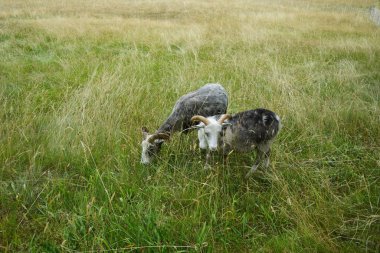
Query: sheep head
[[210, 130], [151, 144]]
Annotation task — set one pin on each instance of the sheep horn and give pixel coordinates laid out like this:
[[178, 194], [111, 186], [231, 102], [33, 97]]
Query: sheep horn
[[200, 118], [164, 136], [223, 118]]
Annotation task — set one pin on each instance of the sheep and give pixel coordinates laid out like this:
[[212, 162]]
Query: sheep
[[208, 100], [242, 132]]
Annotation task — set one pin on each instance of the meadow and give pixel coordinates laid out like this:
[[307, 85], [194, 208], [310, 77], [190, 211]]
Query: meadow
[[78, 80]]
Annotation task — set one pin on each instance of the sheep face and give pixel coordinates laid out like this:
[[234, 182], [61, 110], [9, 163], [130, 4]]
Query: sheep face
[[209, 130], [201, 137], [211, 134], [151, 145], [149, 150]]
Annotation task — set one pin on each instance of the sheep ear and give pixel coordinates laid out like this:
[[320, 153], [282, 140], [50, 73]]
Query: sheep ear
[[224, 125], [159, 142], [145, 132], [198, 126]]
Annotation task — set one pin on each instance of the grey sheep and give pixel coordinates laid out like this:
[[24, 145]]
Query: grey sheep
[[211, 99], [242, 132]]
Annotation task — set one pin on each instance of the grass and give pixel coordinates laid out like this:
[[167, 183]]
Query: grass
[[79, 78]]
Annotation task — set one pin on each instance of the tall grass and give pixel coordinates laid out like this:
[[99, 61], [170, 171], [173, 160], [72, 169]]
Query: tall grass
[[78, 79]]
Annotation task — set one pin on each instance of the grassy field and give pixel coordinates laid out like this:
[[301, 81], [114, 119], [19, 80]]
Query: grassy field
[[78, 79]]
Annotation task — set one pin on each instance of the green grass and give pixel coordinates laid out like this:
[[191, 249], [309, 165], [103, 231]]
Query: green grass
[[79, 79]]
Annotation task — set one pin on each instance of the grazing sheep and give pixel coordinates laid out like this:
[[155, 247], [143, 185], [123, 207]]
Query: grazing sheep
[[242, 132], [208, 100]]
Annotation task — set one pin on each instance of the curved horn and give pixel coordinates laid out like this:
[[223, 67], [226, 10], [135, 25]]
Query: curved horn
[[200, 118], [164, 136], [223, 118]]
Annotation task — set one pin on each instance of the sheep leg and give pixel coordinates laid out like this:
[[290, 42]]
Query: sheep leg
[[208, 157], [259, 156], [266, 159], [225, 157], [226, 149], [263, 152]]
